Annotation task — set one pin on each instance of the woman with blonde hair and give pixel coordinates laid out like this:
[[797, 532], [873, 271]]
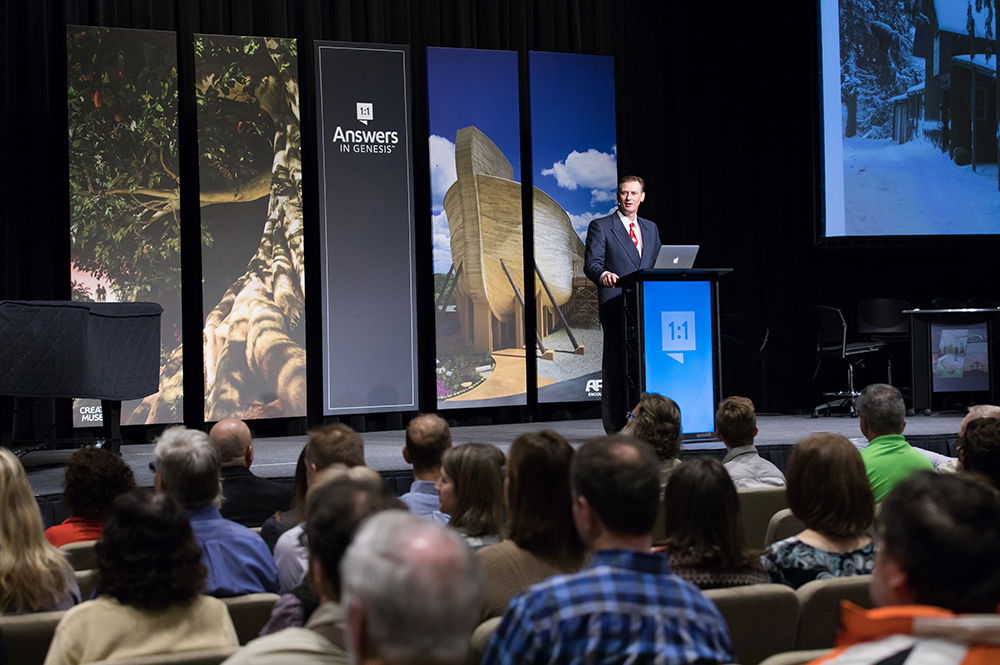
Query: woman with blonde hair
[[34, 576]]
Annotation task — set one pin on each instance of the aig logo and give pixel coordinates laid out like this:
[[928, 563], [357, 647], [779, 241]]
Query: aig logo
[[366, 112]]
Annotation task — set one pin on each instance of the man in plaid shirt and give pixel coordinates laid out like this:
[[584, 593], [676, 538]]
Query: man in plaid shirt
[[624, 606]]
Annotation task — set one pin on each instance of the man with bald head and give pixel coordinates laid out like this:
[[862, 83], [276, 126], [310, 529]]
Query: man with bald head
[[247, 498], [427, 437]]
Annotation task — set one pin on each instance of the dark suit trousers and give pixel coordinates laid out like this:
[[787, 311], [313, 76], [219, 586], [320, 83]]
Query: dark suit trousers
[[614, 408]]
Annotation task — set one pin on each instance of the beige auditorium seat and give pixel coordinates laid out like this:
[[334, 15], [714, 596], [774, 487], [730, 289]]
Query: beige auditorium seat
[[763, 619], [81, 555], [796, 657], [27, 637], [480, 638], [819, 608], [249, 613], [756, 508], [87, 581], [783, 524], [192, 657]]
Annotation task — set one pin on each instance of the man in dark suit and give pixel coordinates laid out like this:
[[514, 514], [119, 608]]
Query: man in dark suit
[[617, 245], [248, 499]]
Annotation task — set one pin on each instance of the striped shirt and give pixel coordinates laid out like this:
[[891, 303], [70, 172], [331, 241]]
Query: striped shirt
[[624, 607]]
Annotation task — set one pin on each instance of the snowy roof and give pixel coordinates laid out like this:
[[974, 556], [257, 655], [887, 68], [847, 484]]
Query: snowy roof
[[916, 88], [953, 16], [897, 98], [984, 64]]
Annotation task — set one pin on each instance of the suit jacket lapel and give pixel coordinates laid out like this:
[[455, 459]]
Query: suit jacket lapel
[[647, 244], [618, 230]]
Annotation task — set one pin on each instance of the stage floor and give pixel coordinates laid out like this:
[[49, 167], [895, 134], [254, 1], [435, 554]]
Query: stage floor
[[276, 457]]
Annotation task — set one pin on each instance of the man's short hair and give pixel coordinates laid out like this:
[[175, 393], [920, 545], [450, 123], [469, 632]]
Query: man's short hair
[[883, 408], [188, 465], [735, 421], [619, 476], [658, 423], [979, 448], [231, 439], [334, 444], [632, 178], [943, 530], [337, 503], [427, 437], [418, 585]]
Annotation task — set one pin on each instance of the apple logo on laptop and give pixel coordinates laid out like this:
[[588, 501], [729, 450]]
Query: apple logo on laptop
[[676, 259]]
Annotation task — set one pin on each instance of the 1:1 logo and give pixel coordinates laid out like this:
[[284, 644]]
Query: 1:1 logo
[[679, 332]]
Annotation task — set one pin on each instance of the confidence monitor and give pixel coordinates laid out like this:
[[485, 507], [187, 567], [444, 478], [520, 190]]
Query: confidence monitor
[[953, 358], [672, 339]]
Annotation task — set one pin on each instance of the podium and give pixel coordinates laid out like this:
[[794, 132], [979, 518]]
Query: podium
[[955, 355], [671, 322]]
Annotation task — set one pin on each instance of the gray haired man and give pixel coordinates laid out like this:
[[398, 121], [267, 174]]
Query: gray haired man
[[411, 591]]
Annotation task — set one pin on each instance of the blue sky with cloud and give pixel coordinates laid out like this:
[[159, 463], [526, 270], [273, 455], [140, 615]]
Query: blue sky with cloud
[[573, 132], [467, 87]]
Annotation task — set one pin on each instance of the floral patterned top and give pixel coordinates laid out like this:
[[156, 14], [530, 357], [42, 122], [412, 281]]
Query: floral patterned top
[[793, 562]]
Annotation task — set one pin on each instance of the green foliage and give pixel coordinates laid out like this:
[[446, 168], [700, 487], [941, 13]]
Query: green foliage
[[124, 172], [122, 107]]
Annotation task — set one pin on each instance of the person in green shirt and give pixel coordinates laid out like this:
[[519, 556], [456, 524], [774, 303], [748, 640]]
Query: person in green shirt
[[889, 459]]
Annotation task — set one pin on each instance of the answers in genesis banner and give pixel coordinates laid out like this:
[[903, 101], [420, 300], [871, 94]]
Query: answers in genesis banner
[[366, 222]]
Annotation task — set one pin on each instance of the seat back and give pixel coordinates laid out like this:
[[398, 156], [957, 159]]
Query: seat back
[[87, 581], [831, 329], [480, 639], [883, 316], [249, 613], [783, 524], [81, 555], [763, 619], [756, 508], [192, 657], [27, 637], [819, 603]]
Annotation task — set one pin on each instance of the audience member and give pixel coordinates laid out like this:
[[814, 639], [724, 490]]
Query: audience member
[[410, 591], [829, 492], [888, 459], [704, 536], [657, 420], [283, 520], [247, 498], [427, 437], [471, 491], [979, 448], [541, 539], [94, 477], [339, 500], [149, 580], [624, 606], [237, 560], [327, 445], [936, 583], [34, 576], [736, 426], [950, 464]]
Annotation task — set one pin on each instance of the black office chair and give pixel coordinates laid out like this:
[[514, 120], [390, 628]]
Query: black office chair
[[831, 342], [882, 320]]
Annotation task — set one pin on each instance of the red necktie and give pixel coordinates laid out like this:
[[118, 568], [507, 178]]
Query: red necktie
[[631, 232]]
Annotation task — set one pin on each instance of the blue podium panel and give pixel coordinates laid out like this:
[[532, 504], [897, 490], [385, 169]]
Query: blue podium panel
[[677, 334]]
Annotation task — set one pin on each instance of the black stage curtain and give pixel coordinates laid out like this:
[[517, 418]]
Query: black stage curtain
[[717, 109]]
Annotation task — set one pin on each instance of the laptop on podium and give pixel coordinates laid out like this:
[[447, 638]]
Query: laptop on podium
[[676, 257]]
